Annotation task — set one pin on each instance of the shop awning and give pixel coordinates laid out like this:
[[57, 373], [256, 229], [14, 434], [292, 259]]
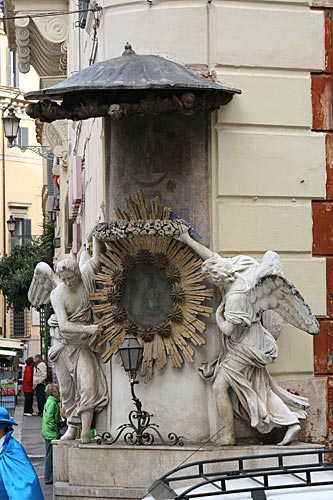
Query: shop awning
[[5, 352]]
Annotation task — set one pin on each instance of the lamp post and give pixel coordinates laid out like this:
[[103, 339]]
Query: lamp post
[[139, 427]]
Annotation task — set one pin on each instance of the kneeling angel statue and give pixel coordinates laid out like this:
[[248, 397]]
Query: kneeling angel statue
[[256, 299]]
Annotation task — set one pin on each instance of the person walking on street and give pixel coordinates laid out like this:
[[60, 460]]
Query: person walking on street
[[50, 427], [18, 479], [27, 386], [40, 375]]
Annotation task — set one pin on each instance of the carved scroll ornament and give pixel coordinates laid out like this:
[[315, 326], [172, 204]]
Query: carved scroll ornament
[[42, 43]]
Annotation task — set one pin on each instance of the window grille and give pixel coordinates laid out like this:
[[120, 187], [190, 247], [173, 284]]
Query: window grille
[[20, 324]]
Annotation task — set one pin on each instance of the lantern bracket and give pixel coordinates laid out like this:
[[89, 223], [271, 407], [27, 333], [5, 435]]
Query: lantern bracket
[[139, 430], [43, 151]]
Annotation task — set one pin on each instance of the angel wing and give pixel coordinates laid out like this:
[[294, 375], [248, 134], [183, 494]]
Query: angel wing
[[43, 282], [273, 292]]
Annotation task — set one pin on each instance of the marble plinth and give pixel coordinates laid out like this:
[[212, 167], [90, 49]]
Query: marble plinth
[[123, 472]]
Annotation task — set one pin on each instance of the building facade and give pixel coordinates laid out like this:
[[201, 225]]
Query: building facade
[[269, 149], [21, 188]]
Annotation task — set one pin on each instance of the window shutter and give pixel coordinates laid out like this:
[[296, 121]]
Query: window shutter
[[23, 136], [26, 230]]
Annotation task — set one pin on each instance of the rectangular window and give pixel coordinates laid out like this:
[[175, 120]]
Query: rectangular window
[[22, 232], [23, 136], [13, 72], [83, 6], [68, 228]]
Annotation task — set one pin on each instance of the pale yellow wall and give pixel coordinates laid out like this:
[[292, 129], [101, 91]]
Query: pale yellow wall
[[3, 57], [266, 164], [23, 171]]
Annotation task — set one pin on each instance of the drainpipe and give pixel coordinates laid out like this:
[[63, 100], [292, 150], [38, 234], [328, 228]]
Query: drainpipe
[[209, 34]]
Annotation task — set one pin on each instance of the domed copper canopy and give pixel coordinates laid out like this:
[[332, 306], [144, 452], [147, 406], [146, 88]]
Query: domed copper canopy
[[127, 81]]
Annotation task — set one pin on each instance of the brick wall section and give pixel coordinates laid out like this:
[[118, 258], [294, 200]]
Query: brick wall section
[[322, 213]]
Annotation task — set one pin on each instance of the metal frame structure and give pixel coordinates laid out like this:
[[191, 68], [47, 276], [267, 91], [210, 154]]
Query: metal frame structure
[[139, 429], [223, 482]]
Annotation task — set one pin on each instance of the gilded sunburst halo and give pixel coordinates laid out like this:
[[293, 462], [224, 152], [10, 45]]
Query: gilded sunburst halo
[[149, 285]]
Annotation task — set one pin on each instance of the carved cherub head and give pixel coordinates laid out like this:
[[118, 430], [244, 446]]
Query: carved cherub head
[[116, 111]]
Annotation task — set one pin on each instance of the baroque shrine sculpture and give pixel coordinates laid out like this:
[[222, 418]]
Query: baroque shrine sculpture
[[255, 301], [74, 350], [148, 283]]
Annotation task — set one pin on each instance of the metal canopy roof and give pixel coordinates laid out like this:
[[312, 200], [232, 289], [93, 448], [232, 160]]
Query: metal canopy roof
[[127, 85], [130, 71]]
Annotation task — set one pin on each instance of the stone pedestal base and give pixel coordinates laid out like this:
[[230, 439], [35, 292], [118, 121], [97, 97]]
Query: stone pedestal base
[[122, 472]]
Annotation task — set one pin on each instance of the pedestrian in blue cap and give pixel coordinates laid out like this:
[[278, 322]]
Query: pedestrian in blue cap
[[18, 479]]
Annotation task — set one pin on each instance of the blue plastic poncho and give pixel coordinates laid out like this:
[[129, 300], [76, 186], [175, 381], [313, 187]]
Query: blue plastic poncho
[[18, 479]]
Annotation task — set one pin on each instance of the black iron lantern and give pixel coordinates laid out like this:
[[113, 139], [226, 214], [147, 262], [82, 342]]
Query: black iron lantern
[[139, 429], [11, 224], [131, 355], [11, 125]]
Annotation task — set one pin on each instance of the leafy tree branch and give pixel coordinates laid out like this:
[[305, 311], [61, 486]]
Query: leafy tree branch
[[16, 269]]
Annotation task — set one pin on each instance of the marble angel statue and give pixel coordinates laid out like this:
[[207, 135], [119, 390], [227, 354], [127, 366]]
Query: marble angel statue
[[74, 338], [256, 300]]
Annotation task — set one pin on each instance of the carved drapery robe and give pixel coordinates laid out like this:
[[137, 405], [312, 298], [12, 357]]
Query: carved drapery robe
[[81, 379], [244, 355]]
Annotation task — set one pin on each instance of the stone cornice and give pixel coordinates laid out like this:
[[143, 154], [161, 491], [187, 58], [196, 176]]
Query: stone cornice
[[9, 24], [9, 98]]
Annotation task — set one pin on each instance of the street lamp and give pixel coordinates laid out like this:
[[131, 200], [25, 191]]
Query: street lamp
[[11, 126], [131, 354], [139, 427], [11, 224]]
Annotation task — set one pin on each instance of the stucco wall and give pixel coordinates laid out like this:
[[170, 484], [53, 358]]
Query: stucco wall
[[266, 164]]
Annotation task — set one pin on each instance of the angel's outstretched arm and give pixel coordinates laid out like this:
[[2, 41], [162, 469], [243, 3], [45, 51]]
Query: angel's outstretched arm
[[98, 247], [90, 265], [203, 252]]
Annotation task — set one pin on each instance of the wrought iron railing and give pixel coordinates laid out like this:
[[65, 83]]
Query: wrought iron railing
[[211, 473]]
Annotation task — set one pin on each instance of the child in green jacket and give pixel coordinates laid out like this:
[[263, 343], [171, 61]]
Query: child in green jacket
[[50, 427]]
